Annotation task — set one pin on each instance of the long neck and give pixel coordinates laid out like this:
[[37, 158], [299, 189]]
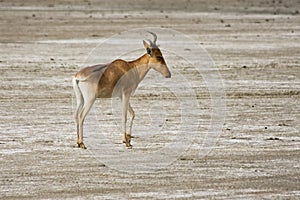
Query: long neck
[[141, 65]]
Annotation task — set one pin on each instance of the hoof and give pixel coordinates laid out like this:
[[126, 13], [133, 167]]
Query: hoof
[[129, 146], [128, 138], [127, 141], [81, 145]]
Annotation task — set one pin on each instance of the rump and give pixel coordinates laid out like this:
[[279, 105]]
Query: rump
[[91, 72]]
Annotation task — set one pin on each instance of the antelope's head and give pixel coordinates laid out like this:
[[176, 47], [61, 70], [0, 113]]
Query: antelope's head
[[156, 60]]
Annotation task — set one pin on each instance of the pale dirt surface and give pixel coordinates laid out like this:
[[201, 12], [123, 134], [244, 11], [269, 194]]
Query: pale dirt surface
[[256, 47]]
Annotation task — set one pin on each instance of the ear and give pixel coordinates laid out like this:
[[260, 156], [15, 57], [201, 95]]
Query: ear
[[147, 47]]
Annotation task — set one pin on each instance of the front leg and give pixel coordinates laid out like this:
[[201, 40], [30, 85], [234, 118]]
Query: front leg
[[132, 115], [125, 104]]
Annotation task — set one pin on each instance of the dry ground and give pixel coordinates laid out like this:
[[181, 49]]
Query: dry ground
[[256, 47]]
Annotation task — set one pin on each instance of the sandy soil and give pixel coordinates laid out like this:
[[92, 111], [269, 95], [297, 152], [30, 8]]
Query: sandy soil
[[256, 48]]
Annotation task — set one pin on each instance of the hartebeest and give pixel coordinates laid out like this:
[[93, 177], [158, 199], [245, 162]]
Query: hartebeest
[[118, 78]]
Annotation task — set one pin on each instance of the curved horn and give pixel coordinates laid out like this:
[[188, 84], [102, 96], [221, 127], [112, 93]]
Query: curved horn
[[150, 42], [155, 37]]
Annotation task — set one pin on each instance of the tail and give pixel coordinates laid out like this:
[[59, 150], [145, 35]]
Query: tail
[[78, 93], [75, 82]]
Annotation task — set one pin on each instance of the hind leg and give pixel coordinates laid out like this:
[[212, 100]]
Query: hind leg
[[77, 118], [85, 109], [79, 105], [89, 98]]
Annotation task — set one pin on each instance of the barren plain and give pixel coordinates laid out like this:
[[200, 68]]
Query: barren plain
[[255, 46]]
